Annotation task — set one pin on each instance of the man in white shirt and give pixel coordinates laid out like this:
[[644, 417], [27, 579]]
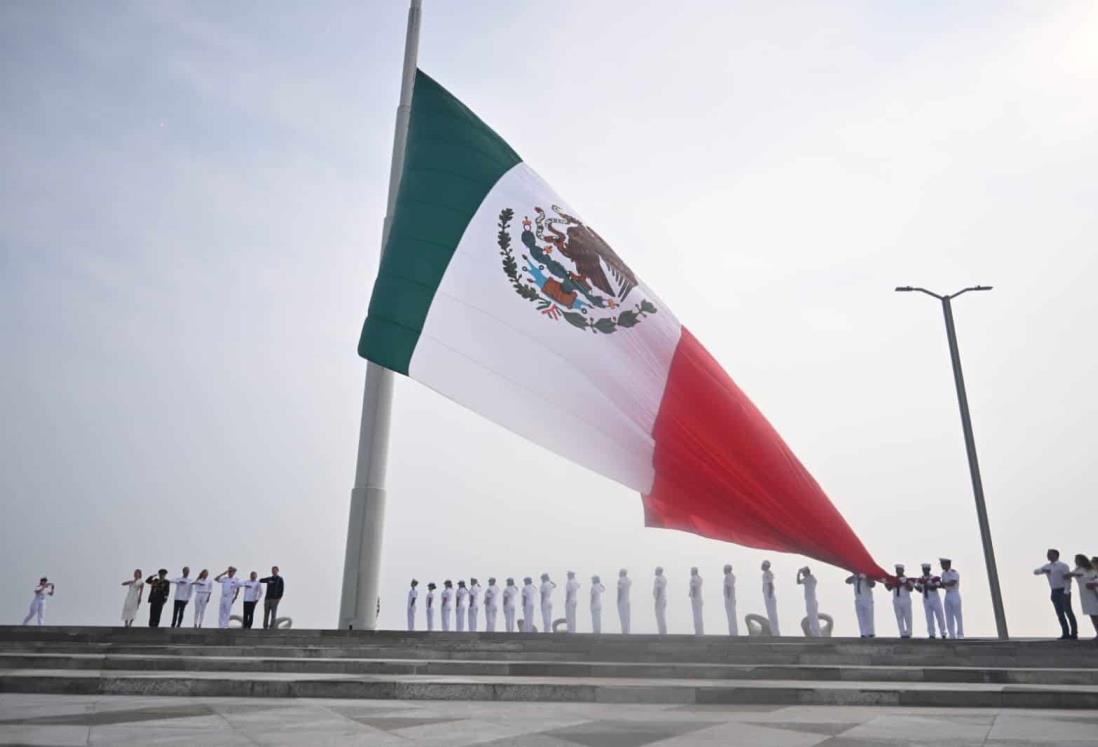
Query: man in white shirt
[[770, 599], [491, 605], [597, 590], [230, 587], [546, 592], [431, 605], [253, 590], [462, 607], [928, 585], [696, 601], [951, 582], [811, 606], [529, 596], [571, 589], [510, 591], [474, 604], [730, 600], [659, 594], [201, 589], [863, 603], [413, 594], [901, 600], [624, 583], [182, 596], [447, 603], [1059, 581]]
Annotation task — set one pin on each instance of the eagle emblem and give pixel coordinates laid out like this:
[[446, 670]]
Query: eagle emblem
[[570, 273]]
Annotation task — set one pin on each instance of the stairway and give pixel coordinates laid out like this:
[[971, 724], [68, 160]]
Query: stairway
[[553, 667]]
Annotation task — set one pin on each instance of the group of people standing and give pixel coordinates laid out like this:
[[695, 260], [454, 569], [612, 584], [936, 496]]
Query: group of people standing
[[200, 589], [940, 619], [1059, 577]]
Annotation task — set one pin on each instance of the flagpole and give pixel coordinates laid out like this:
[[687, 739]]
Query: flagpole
[[362, 561]]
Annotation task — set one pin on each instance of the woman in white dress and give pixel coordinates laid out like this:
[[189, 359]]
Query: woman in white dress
[[133, 598], [1086, 575]]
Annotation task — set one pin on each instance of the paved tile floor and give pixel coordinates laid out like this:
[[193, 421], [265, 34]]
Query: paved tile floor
[[111, 720]]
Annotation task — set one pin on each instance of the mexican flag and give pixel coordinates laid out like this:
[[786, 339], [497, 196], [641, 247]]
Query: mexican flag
[[496, 292]]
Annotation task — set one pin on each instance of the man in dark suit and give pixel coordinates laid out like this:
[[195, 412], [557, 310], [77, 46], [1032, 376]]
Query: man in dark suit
[[275, 588], [159, 589]]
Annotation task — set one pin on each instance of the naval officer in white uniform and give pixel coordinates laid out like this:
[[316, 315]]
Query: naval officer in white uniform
[[951, 582], [510, 591], [901, 600], [863, 603], [447, 603], [546, 592], [474, 604], [769, 598], [659, 595], [730, 600], [571, 592], [230, 587], [413, 594], [597, 590], [491, 605], [624, 583], [811, 605], [928, 585], [696, 601], [431, 606], [529, 597]]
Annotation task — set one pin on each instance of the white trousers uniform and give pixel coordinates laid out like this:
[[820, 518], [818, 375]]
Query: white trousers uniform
[[225, 611], [547, 617], [509, 618], [623, 615], [445, 617], [932, 606], [411, 617], [200, 602], [661, 616], [474, 612], [460, 618], [699, 623], [954, 620], [812, 611], [490, 618], [902, 607], [430, 617], [730, 611], [863, 608], [528, 618], [772, 614], [596, 619], [37, 610], [570, 615]]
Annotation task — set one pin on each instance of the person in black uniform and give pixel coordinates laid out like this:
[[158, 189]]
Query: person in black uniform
[[275, 587], [159, 589]]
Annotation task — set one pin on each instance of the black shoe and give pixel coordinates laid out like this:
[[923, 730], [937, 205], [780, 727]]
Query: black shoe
[[1064, 638]]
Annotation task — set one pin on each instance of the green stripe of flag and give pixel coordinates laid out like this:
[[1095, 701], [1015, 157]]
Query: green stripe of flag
[[452, 160]]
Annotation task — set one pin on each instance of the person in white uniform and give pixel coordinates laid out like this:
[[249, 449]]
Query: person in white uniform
[[811, 605], [928, 585], [510, 591], [770, 599], [133, 598], [38, 603], [863, 603], [529, 597], [182, 596], [696, 601], [597, 590], [730, 600], [474, 604], [571, 591], [462, 607], [901, 600], [447, 603], [546, 592], [951, 582], [491, 605], [624, 583], [1059, 581], [202, 589], [230, 587], [1086, 575], [430, 605], [413, 595], [659, 594]]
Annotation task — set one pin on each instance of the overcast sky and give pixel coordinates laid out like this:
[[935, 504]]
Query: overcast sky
[[191, 199]]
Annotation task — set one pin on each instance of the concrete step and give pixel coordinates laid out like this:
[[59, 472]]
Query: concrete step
[[556, 689], [182, 662]]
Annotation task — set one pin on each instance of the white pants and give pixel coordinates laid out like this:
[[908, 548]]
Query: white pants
[[459, 618], [812, 611], [474, 612], [730, 611], [661, 617], [570, 616], [863, 608], [699, 623], [954, 620], [547, 617], [932, 606], [596, 619], [225, 611], [772, 614], [37, 610], [509, 618], [446, 618], [490, 619], [902, 607], [430, 618], [528, 619], [411, 618], [623, 615], [200, 602]]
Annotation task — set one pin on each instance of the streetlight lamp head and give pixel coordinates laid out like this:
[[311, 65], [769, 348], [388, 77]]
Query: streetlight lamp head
[[983, 287], [904, 289]]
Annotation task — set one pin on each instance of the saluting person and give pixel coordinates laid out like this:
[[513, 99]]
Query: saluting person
[[1059, 581], [769, 598], [462, 607], [431, 606], [159, 589], [510, 591], [529, 596], [203, 589], [38, 603], [730, 600], [659, 594], [624, 583], [491, 605], [474, 604], [182, 596], [413, 594], [696, 601], [276, 587], [571, 590], [230, 588], [546, 590], [811, 605], [597, 590], [447, 603], [253, 590]]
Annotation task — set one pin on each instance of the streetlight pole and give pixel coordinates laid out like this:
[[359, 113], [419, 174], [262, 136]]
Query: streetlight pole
[[970, 448]]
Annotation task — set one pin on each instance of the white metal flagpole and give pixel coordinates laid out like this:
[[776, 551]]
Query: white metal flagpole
[[362, 562]]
